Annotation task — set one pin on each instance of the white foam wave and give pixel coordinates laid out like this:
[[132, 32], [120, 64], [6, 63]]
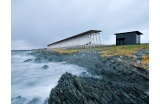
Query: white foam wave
[[29, 80]]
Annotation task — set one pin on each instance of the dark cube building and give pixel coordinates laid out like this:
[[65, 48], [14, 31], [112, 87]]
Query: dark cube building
[[128, 38]]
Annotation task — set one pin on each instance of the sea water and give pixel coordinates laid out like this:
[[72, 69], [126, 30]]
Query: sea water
[[30, 84]]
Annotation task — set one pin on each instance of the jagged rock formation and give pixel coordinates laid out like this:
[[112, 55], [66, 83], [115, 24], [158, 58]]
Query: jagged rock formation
[[83, 90], [28, 60], [110, 80], [45, 67]]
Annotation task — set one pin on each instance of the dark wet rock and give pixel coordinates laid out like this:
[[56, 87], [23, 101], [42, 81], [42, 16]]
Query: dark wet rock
[[18, 100], [80, 90], [108, 80], [45, 67], [45, 56], [78, 84], [28, 60], [142, 52]]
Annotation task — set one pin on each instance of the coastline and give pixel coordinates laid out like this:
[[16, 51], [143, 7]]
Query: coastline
[[116, 79]]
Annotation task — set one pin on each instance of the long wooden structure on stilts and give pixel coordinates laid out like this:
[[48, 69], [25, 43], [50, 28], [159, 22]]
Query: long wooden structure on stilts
[[86, 39]]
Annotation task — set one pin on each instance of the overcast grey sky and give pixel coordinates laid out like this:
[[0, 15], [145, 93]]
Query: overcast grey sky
[[36, 23]]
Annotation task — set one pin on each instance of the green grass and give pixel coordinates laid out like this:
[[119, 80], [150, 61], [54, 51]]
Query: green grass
[[65, 51], [106, 51], [125, 50]]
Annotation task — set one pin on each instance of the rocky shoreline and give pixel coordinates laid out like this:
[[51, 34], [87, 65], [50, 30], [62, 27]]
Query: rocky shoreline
[[110, 80], [82, 90]]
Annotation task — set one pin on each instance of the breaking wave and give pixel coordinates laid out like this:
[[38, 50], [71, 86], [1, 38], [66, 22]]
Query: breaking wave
[[30, 82]]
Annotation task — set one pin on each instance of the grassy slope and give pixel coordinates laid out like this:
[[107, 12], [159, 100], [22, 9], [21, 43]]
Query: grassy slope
[[65, 51], [107, 51], [125, 50]]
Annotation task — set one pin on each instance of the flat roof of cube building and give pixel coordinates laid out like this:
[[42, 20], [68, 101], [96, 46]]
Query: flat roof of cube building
[[137, 32]]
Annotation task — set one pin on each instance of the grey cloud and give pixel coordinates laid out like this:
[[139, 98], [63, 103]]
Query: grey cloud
[[40, 22]]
